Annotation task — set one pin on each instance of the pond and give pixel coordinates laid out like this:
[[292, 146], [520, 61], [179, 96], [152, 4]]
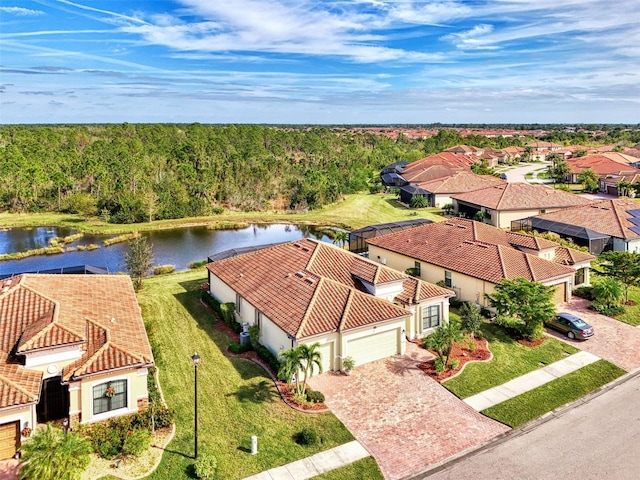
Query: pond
[[178, 247]]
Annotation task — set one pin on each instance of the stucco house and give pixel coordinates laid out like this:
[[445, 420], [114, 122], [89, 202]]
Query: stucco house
[[472, 258], [605, 225], [308, 291], [505, 202], [602, 164], [440, 190], [72, 346]]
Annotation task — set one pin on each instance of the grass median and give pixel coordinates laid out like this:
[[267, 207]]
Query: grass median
[[236, 398], [534, 403]]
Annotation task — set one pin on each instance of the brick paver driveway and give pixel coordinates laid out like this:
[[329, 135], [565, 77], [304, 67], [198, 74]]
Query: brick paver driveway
[[406, 420], [613, 340]]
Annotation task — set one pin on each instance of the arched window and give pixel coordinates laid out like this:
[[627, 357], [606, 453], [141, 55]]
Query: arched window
[[108, 396]]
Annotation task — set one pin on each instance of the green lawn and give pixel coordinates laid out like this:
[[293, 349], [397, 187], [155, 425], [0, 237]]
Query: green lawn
[[631, 314], [236, 397], [365, 469], [510, 360], [354, 211], [547, 397]]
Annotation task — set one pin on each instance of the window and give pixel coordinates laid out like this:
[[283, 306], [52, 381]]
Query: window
[[109, 396], [258, 317], [580, 276], [447, 279], [238, 302], [430, 316], [416, 266]]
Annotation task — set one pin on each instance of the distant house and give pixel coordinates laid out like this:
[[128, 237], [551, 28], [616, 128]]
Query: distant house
[[506, 202], [440, 190], [601, 164], [472, 258], [67, 340], [358, 238], [600, 226], [308, 291], [611, 184]]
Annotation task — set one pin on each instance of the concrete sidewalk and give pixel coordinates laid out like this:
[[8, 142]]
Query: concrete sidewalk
[[315, 464], [529, 381]]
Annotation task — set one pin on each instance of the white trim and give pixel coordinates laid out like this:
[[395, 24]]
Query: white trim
[[111, 413]]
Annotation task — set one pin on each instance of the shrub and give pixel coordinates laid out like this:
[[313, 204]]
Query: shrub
[[238, 348], [136, 442], [418, 202], [227, 311], [307, 436], [472, 346], [194, 265], [471, 320], [454, 364], [265, 354], [315, 396], [438, 365], [205, 466], [217, 209], [104, 440], [348, 364], [254, 335], [608, 310], [163, 269], [585, 291]]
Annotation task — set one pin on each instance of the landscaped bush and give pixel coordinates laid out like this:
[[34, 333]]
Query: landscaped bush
[[471, 320], [315, 396], [454, 364], [136, 442], [164, 269], [265, 354], [307, 436], [438, 365], [608, 310], [254, 335], [238, 348], [585, 291], [205, 466]]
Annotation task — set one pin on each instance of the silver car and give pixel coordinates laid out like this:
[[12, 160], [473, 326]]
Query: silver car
[[571, 326]]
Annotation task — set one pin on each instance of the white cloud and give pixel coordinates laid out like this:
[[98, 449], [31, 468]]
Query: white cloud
[[22, 12]]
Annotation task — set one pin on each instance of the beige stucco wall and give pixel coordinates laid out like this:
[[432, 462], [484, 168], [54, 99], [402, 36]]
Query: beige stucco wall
[[81, 394], [503, 219]]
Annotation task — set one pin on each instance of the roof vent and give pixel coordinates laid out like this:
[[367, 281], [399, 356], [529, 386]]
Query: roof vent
[[305, 249], [297, 245], [300, 274], [309, 280], [461, 226], [450, 224]]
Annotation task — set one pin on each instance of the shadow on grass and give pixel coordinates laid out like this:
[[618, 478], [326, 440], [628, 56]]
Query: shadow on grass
[[257, 393]]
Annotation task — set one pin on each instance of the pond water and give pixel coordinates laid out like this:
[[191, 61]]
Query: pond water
[[178, 247]]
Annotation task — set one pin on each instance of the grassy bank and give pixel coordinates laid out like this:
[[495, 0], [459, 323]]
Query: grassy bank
[[236, 397], [354, 211]]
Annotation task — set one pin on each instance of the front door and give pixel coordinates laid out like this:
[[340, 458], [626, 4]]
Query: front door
[[54, 400]]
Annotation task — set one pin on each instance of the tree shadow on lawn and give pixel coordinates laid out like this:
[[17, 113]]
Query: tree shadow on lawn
[[256, 393]]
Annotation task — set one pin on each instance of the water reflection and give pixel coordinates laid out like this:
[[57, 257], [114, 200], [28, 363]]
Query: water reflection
[[178, 247]]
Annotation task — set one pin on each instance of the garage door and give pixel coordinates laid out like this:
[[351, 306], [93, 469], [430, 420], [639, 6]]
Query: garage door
[[560, 293], [373, 347], [9, 440]]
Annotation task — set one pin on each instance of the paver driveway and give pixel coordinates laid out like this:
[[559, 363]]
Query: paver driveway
[[613, 340], [405, 419]]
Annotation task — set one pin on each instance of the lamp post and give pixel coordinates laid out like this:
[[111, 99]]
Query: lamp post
[[196, 361]]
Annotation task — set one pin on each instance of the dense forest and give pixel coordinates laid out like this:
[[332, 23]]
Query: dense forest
[[133, 173]]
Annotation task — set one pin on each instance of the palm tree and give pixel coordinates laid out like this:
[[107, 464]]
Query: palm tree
[[608, 292], [290, 367], [341, 238], [51, 455], [310, 357]]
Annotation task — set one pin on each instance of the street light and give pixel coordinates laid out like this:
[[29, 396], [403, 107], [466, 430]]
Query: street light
[[196, 361]]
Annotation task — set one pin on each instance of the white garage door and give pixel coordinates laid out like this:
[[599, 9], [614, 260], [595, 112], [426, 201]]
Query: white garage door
[[373, 347]]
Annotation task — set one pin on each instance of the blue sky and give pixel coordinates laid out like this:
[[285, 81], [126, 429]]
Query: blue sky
[[320, 61]]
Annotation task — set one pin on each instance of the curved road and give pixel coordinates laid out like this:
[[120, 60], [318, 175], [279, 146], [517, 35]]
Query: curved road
[[597, 439]]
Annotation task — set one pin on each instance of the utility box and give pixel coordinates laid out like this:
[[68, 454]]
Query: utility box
[[254, 444]]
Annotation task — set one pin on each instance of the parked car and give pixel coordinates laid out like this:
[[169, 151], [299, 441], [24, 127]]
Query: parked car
[[571, 326], [503, 176]]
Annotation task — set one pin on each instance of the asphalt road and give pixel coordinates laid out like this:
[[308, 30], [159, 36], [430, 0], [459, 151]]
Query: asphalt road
[[598, 439]]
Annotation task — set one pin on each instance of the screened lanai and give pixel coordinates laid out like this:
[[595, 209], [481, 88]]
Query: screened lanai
[[596, 242], [358, 238]]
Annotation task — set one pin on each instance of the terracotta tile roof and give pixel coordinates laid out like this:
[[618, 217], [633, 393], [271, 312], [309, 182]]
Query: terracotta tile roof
[[18, 385], [472, 248], [308, 287], [460, 182], [42, 311], [521, 196], [602, 164], [431, 172], [606, 216], [623, 158], [449, 159]]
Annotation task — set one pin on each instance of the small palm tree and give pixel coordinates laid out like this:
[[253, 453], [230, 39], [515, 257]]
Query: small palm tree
[[290, 367], [310, 357], [608, 292], [51, 455]]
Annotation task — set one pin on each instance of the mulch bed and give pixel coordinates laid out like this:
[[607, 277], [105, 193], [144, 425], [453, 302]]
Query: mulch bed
[[464, 355], [283, 389], [531, 343]]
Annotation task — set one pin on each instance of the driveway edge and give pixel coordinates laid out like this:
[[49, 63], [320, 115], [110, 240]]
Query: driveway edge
[[521, 430]]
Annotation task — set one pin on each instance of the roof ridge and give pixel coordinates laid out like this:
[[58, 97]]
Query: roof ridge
[[614, 207], [16, 386], [313, 256], [92, 358], [529, 266], [347, 308], [504, 192], [312, 303], [503, 267]]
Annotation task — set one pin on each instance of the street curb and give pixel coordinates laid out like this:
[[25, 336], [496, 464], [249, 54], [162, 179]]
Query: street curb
[[521, 430]]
